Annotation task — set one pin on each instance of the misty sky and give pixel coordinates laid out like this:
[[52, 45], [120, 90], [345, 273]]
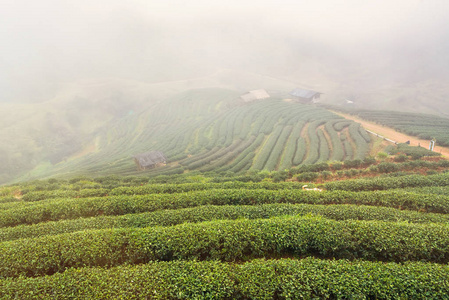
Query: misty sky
[[48, 42]]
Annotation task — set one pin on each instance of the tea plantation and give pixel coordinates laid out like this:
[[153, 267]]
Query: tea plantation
[[421, 125], [255, 237], [212, 130]]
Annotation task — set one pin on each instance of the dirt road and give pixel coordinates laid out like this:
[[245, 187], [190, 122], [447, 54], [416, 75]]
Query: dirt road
[[393, 134]]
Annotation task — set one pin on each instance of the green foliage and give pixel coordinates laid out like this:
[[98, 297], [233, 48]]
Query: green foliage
[[389, 183], [343, 123], [216, 155], [360, 140], [326, 174], [43, 195], [324, 147], [386, 167], [368, 161], [352, 163], [400, 158], [349, 151], [278, 149], [438, 190], [365, 135], [8, 199], [382, 155], [201, 235], [280, 176], [227, 241], [301, 148], [420, 125], [414, 152], [199, 186], [209, 212], [120, 205], [258, 279], [314, 168], [337, 166], [314, 143], [307, 176], [266, 150], [289, 157], [198, 157], [337, 147]]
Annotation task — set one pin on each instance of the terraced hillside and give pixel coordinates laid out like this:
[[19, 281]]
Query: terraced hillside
[[113, 237], [212, 130], [421, 125]]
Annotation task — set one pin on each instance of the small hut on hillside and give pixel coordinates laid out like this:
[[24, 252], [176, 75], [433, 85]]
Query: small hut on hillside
[[149, 160], [255, 95], [305, 96]]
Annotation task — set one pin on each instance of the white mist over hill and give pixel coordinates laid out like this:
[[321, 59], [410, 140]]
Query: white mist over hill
[[381, 51], [69, 69]]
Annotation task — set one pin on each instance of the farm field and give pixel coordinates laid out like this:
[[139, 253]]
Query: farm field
[[211, 130], [224, 150], [195, 236], [422, 126]]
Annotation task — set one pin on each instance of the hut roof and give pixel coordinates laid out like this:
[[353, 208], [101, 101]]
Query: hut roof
[[150, 158], [255, 95], [303, 93]]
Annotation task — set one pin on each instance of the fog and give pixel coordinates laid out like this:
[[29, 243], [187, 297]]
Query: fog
[[341, 47], [70, 70]]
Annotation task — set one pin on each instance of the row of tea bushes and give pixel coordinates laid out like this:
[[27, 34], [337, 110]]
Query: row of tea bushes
[[234, 240], [308, 278], [209, 213], [385, 183], [187, 187], [120, 205], [84, 193], [7, 199]]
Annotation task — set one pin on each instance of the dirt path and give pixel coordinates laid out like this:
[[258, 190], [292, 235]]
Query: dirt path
[[393, 134]]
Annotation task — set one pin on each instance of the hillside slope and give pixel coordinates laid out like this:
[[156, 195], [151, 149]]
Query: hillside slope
[[44, 133], [407, 133], [113, 237], [97, 125], [213, 130]]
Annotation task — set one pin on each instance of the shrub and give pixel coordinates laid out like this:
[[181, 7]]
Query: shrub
[[400, 158], [382, 155], [120, 205], [389, 183], [416, 156], [368, 161], [314, 168], [337, 166], [326, 174], [308, 278], [386, 167], [227, 241], [352, 163], [307, 176], [444, 163], [213, 212], [280, 176]]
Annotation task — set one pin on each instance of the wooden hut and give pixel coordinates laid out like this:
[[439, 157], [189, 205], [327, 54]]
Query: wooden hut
[[149, 160], [305, 96]]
